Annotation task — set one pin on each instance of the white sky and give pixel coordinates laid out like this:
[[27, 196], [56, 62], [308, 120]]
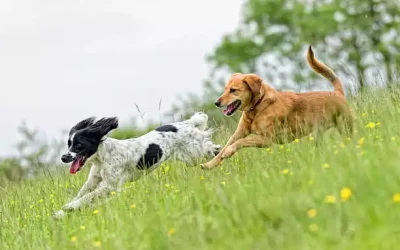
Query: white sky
[[64, 60]]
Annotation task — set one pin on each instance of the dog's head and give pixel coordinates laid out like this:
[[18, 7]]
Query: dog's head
[[243, 92], [84, 139]]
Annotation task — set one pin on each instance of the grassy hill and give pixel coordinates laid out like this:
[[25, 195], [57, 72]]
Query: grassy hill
[[344, 194]]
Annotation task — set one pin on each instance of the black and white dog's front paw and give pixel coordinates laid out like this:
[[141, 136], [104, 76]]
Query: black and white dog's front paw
[[217, 149], [59, 214]]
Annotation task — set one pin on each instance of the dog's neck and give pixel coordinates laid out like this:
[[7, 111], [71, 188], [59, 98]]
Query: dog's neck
[[108, 149]]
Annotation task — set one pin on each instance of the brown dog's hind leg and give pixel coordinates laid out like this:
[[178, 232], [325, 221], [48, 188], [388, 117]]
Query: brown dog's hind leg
[[344, 124]]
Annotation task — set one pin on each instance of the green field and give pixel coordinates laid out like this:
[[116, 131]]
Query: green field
[[340, 195]]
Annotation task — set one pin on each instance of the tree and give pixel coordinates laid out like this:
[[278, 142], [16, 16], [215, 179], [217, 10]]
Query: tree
[[355, 37]]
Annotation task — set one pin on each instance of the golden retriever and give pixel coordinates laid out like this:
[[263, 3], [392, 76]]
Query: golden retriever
[[269, 116]]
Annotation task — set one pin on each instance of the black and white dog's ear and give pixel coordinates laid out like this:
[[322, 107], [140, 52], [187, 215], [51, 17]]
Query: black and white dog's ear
[[82, 124], [102, 127]]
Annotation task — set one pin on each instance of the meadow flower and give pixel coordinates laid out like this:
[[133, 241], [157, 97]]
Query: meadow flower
[[311, 138], [97, 243], [268, 149], [41, 201], [312, 213], [166, 169], [223, 182], [281, 147], [313, 227], [171, 231], [345, 193], [325, 165], [330, 199], [361, 141], [113, 193], [73, 238], [393, 138], [285, 171], [201, 177], [95, 211], [296, 140], [83, 227], [133, 206], [371, 125], [396, 198]]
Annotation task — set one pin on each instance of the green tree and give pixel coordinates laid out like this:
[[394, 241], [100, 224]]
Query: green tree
[[355, 37]]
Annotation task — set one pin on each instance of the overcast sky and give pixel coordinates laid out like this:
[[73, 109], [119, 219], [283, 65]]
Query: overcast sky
[[62, 61]]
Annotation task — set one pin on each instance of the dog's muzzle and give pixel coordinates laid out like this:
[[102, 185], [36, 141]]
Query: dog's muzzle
[[67, 158]]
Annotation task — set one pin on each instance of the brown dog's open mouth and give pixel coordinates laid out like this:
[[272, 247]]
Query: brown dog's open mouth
[[232, 107]]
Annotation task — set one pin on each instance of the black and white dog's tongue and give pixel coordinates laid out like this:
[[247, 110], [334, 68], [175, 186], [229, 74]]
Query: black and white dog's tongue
[[75, 166]]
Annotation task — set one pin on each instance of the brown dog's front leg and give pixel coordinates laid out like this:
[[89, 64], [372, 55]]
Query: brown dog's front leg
[[250, 141], [240, 132]]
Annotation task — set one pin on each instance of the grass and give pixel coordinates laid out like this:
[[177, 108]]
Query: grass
[[341, 195]]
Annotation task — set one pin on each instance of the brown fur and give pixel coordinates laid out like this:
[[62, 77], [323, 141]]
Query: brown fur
[[271, 117]]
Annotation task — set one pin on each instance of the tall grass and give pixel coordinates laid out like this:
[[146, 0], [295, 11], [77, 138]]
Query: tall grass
[[344, 194]]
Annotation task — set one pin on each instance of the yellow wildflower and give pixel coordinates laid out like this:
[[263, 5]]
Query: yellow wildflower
[[312, 213], [396, 198], [133, 206], [393, 138], [96, 211], [73, 238], [285, 171], [267, 149], [330, 199], [171, 231], [201, 177], [281, 147], [296, 140], [311, 138], [223, 182], [345, 193], [361, 141], [371, 125], [113, 192], [97, 243], [83, 227]]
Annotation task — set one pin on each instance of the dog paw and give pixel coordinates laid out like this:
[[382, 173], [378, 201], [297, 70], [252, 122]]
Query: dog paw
[[217, 149], [59, 214], [73, 205]]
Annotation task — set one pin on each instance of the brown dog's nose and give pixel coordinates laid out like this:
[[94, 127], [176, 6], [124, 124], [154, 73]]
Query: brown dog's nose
[[217, 103]]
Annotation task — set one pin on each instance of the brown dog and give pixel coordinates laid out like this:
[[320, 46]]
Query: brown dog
[[280, 117]]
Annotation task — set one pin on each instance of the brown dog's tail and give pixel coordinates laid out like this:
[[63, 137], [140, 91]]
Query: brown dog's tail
[[324, 70]]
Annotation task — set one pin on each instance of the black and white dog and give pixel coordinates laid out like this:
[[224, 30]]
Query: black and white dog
[[116, 161]]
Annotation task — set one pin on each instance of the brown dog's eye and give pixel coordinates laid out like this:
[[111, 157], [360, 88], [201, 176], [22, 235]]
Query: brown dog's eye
[[232, 90]]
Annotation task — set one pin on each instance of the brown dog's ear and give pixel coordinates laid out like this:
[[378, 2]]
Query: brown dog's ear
[[259, 89]]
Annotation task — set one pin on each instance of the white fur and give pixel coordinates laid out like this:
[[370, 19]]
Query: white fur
[[116, 160]]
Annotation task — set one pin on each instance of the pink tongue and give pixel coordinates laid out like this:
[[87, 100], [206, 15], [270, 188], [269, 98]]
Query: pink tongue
[[75, 166], [228, 109]]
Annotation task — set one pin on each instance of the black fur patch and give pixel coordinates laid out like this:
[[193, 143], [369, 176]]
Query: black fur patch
[[152, 156], [167, 128]]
